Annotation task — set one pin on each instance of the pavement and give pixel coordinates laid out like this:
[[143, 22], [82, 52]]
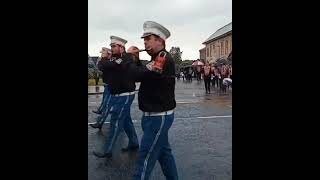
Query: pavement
[[200, 137]]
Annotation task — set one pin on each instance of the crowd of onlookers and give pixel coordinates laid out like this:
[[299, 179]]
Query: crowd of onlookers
[[212, 75]]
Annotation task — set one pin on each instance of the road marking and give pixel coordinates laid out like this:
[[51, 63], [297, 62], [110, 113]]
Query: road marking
[[187, 102], [93, 102], [178, 102], [134, 121], [207, 117]]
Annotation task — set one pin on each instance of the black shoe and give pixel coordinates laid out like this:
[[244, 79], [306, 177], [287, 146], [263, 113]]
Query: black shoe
[[96, 125], [132, 148], [97, 112], [102, 155]]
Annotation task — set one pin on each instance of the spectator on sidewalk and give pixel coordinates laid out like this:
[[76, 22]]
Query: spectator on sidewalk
[[207, 77]]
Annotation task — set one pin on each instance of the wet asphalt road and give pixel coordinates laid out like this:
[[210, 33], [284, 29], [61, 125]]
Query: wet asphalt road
[[200, 137]]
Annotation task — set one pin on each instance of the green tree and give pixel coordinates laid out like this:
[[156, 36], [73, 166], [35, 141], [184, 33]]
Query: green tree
[[176, 55], [92, 69]]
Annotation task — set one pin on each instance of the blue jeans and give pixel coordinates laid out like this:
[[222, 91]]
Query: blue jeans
[[121, 119], [155, 146], [105, 95], [107, 103]]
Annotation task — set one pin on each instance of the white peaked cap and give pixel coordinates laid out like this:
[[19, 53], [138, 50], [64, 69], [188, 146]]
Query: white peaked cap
[[151, 27], [117, 40], [105, 50]]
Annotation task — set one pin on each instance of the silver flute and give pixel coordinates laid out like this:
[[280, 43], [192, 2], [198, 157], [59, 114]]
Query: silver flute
[[144, 50]]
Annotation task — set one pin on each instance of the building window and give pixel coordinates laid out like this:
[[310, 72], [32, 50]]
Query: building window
[[214, 52], [207, 52], [210, 50], [221, 48], [227, 46]]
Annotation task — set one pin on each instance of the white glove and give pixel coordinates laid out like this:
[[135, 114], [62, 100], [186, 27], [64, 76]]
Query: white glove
[[118, 61], [149, 65]]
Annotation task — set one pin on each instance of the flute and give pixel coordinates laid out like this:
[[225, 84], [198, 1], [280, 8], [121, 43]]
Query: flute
[[144, 50]]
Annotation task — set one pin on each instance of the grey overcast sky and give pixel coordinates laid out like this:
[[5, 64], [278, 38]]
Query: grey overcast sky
[[190, 22]]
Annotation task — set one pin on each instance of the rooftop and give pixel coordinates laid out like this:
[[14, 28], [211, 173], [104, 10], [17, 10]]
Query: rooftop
[[225, 29]]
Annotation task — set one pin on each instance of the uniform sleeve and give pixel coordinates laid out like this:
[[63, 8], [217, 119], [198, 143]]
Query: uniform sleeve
[[108, 65], [141, 72], [101, 63], [169, 68]]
